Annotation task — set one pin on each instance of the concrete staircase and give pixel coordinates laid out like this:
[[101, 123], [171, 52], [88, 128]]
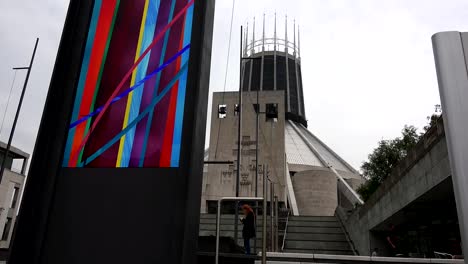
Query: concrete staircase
[[305, 234], [316, 235]]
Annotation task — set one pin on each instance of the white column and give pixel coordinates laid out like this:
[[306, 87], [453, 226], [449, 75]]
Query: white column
[[451, 58]]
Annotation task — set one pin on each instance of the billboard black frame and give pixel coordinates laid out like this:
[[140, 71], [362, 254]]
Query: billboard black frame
[[51, 191]]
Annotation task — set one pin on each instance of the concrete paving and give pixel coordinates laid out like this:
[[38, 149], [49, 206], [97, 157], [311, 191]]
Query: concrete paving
[[298, 258]]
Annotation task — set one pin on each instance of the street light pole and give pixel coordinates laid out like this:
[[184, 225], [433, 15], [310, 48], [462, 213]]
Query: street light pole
[[239, 136], [2, 169]]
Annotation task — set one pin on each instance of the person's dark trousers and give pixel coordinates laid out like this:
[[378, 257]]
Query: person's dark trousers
[[247, 245]]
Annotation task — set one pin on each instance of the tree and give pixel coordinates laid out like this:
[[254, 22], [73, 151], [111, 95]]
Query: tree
[[384, 158], [389, 153]]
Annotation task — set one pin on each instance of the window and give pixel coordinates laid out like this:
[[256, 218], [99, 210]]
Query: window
[[6, 230], [236, 109], [14, 199], [256, 108], [222, 111], [271, 112]]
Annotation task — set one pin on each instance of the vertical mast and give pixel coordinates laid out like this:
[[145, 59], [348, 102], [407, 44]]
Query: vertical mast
[[252, 51], [274, 57], [298, 93], [288, 107], [246, 39], [263, 55], [299, 42], [294, 34], [253, 37]]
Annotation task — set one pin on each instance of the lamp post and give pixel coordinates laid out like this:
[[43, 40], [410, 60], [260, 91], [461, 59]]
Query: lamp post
[[7, 150], [239, 139]]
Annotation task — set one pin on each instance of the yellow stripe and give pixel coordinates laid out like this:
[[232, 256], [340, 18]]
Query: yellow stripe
[[130, 95]]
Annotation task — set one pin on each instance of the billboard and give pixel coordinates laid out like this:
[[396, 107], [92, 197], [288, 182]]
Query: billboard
[[117, 168], [129, 103]]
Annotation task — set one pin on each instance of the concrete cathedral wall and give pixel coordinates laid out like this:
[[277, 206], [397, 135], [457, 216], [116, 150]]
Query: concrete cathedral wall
[[219, 179], [316, 192]]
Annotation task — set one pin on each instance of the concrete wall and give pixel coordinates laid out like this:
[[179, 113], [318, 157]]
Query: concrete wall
[[315, 192], [425, 167], [220, 180]]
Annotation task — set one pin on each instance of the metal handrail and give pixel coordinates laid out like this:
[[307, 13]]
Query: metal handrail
[[285, 231], [218, 223], [347, 236]]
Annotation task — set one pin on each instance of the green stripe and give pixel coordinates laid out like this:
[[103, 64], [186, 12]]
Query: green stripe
[[101, 70]]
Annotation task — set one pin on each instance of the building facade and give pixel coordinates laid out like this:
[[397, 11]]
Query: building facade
[[11, 188], [303, 172]]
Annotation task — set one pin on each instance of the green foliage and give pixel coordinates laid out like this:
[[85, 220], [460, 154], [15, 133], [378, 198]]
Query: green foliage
[[389, 153], [432, 120], [384, 158]]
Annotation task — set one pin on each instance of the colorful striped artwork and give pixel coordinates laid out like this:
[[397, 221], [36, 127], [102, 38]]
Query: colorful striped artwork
[[130, 96]]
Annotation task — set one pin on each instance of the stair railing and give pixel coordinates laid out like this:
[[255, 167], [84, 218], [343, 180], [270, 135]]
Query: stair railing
[[285, 231], [218, 222]]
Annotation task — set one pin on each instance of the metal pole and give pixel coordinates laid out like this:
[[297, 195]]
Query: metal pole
[[2, 170], [256, 150], [239, 136], [218, 221], [272, 191], [276, 223], [264, 220]]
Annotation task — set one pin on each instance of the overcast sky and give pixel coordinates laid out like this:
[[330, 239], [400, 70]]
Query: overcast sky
[[367, 65]]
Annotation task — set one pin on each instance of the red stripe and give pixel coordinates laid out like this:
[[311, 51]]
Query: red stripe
[[120, 56], [166, 152], [102, 32], [74, 156]]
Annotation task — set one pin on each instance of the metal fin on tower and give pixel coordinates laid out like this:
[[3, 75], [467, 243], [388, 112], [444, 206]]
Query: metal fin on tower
[[253, 37], [286, 35], [294, 29], [246, 39], [298, 42], [263, 34]]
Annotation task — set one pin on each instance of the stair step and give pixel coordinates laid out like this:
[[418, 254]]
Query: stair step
[[317, 245], [314, 218], [316, 237], [314, 224], [229, 221], [326, 252], [225, 227], [223, 233], [224, 216], [314, 230]]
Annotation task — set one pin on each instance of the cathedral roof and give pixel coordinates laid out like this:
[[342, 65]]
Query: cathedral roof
[[304, 148]]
